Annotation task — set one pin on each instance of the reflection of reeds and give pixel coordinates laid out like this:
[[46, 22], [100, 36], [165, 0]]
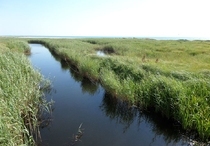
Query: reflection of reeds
[[124, 113]]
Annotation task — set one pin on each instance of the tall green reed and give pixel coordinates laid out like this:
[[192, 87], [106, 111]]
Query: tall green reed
[[20, 96]]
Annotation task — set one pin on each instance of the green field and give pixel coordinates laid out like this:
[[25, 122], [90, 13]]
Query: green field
[[20, 96], [171, 77]]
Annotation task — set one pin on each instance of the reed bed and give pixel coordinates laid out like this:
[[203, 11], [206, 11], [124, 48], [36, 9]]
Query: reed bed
[[20, 96], [171, 77], [14, 45]]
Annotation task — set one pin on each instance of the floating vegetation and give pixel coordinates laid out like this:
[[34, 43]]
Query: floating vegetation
[[77, 137]]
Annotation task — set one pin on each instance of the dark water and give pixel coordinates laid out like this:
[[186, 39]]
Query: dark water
[[105, 120]]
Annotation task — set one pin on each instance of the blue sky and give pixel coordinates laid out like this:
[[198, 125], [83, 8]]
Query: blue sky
[[134, 18]]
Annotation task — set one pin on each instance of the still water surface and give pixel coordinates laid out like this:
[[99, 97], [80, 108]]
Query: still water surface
[[105, 121]]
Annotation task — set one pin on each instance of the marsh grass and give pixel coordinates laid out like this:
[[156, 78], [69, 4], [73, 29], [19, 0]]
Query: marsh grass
[[14, 44], [20, 96], [177, 85]]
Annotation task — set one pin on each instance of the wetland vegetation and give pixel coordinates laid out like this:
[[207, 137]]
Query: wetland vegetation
[[20, 96], [169, 77]]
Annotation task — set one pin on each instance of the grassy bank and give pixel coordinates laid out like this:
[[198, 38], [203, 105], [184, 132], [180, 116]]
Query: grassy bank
[[170, 77], [20, 96]]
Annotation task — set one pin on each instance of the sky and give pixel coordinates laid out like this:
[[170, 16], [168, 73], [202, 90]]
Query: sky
[[126, 18]]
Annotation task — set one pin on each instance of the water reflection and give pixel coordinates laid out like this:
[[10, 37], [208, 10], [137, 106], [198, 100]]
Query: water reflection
[[87, 85], [171, 131], [125, 114], [118, 110], [100, 53]]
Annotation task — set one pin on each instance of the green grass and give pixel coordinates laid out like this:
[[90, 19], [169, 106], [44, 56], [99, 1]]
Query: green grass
[[171, 77], [14, 44], [20, 97]]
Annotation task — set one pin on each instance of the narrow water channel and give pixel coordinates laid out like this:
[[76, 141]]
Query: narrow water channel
[[103, 120]]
